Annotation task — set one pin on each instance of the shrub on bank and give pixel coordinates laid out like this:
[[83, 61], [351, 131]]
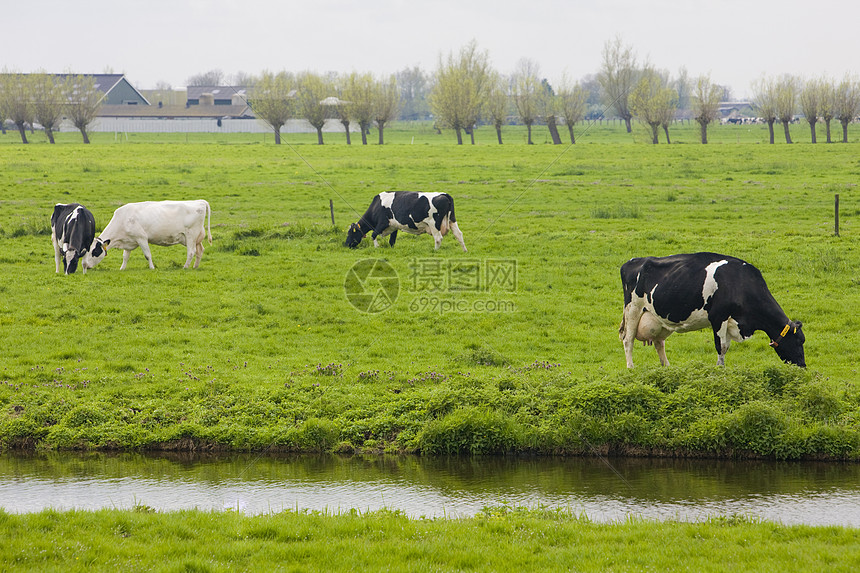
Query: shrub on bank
[[779, 412]]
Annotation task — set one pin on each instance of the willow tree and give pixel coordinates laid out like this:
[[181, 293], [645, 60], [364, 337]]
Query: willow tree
[[617, 77], [527, 93], [765, 101], [49, 99], [572, 104], [786, 102], [653, 103], [342, 109], [359, 92], [386, 103], [311, 91], [461, 89], [706, 104], [498, 100], [16, 101], [810, 103], [847, 103], [83, 101], [273, 100], [827, 105]]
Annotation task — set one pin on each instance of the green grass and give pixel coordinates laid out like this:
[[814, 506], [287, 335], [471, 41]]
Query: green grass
[[521, 540], [260, 347]]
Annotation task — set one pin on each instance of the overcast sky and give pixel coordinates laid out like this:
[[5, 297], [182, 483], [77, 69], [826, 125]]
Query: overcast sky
[[735, 41]]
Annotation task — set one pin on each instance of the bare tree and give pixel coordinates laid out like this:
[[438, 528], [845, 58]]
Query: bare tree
[[312, 89], [684, 86], [461, 89], [210, 78], [16, 101], [273, 100], [654, 103], [786, 102], [668, 109], [617, 76], [572, 104], [810, 103], [827, 105], [48, 102], [548, 106], [243, 79], [83, 101], [765, 101], [527, 92], [360, 92], [847, 103], [386, 104], [413, 84], [498, 100], [343, 109], [706, 104]]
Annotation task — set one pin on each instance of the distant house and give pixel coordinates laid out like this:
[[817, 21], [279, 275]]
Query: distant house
[[217, 95], [116, 89]]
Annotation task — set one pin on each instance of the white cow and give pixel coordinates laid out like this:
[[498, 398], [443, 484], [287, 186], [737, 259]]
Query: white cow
[[162, 223]]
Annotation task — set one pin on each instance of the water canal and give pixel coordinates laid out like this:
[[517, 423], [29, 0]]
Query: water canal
[[604, 489]]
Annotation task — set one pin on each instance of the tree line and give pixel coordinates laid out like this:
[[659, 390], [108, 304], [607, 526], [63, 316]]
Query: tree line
[[465, 91], [46, 99]]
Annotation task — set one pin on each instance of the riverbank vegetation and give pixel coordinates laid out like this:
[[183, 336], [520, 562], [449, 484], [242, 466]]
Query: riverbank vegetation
[[511, 347], [521, 540]]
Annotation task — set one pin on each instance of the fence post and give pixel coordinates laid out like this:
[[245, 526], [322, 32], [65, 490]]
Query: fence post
[[836, 215], [331, 208]]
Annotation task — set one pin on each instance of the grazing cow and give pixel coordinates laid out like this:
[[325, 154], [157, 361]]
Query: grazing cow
[[415, 213], [73, 230], [162, 223], [682, 293]]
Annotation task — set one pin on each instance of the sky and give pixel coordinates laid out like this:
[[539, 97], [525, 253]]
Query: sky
[[735, 42]]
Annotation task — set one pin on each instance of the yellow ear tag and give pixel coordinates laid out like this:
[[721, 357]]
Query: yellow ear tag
[[785, 330]]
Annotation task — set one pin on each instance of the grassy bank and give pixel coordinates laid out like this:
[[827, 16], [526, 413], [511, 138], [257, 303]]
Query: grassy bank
[[499, 539], [261, 348]]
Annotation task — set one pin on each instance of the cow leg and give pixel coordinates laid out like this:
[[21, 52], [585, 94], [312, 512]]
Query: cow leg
[[191, 250], [199, 253], [629, 326], [392, 238], [660, 347], [437, 236], [125, 256], [458, 235], [57, 254], [722, 345], [144, 246]]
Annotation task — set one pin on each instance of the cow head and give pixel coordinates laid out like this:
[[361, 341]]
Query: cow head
[[354, 235], [70, 260], [97, 252], [789, 346]]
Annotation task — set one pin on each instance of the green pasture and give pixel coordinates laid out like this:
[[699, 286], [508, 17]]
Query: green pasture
[[520, 540], [260, 347]]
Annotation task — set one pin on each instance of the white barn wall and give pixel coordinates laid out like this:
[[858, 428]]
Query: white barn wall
[[149, 125]]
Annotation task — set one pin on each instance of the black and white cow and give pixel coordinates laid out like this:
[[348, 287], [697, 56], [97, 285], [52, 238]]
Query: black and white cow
[[409, 211], [682, 293], [73, 230]]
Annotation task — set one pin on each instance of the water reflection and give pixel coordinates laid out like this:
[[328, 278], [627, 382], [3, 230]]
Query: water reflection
[[813, 493]]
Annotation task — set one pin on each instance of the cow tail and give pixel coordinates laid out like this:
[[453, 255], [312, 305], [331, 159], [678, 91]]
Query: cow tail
[[451, 216], [208, 220], [623, 327]]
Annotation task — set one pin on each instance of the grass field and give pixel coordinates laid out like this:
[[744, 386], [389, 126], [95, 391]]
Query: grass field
[[511, 346], [500, 539]]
